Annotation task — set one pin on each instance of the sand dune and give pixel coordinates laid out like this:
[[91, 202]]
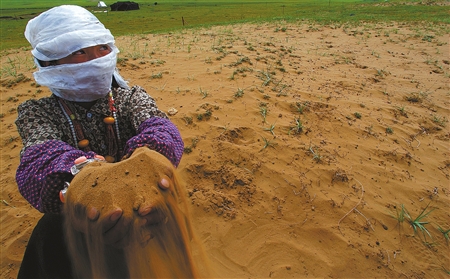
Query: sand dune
[[302, 143]]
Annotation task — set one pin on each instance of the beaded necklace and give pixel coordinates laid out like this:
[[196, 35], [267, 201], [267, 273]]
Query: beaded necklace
[[112, 130]]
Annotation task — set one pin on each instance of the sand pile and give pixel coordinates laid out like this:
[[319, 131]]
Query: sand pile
[[303, 141], [158, 250]]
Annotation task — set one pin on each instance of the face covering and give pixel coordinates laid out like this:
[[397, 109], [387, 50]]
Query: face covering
[[59, 32], [81, 82]]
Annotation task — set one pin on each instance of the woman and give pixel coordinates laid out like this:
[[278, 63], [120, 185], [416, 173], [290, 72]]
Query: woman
[[91, 115]]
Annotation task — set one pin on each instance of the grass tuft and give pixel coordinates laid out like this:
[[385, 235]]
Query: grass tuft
[[418, 223]]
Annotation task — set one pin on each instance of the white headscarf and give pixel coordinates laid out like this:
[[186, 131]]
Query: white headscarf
[[59, 32]]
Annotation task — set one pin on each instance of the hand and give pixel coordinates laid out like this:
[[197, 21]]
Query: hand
[[103, 203]]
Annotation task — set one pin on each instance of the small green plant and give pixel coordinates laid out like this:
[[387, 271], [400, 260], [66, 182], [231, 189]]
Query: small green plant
[[156, 76], [416, 97], [239, 93], [402, 111], [357, 115], [207, 114], [267, 143], [266, 77], [204, 93], [263, 110], [389, 130], [272, 127], [440, 120], [188, 120], [381, 73], [316, 156], [298, 127], [444, 233], [300, 108], [188, 149], [232, 75], [418, 223]]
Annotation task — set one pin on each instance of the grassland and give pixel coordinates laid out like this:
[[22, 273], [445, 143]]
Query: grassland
[[169, 15]]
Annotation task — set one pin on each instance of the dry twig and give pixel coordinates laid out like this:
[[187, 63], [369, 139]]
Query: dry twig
[[356, 210]]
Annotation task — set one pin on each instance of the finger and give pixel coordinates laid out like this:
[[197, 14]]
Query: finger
[[164, 183], [81, 216], [99, 157], [93, 214], [110, 219], [80, 159], [144, 205], [155, 217], [117, 236]]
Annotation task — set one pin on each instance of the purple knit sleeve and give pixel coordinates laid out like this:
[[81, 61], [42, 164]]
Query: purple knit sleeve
[[158, 134], [42, 171]]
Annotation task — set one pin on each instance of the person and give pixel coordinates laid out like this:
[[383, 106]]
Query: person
[[92, 114]]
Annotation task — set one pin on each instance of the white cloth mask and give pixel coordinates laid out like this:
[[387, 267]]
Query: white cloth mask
[[81, 82]]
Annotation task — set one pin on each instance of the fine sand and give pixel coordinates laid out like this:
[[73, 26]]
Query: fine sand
[[159, 249], [303, 143]]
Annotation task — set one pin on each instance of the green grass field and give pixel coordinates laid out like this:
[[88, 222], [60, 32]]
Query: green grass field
[[167, 15]]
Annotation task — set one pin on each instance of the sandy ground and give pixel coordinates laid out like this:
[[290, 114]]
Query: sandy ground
[[303, 143]]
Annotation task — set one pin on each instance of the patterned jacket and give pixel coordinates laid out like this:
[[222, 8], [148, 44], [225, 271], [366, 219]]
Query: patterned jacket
[[49, 149]]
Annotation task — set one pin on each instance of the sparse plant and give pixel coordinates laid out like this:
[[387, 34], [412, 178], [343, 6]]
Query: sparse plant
[[381, 73], [232, 75], [188, 120], [272, 127], [207, 114], [316, 156], [300, 108], [298, 127], [266, 77], [204, 93], [267, 143], [418, 224], [188, 149], [156, 76], [444, 233], [416, 97], [239, 93], [357, 115], [440, 120], [402, 111], [263, 110], [389, 130]]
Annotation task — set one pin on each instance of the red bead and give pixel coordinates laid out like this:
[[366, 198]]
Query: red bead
[[83, 143], [110, 159], [109, 120]]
